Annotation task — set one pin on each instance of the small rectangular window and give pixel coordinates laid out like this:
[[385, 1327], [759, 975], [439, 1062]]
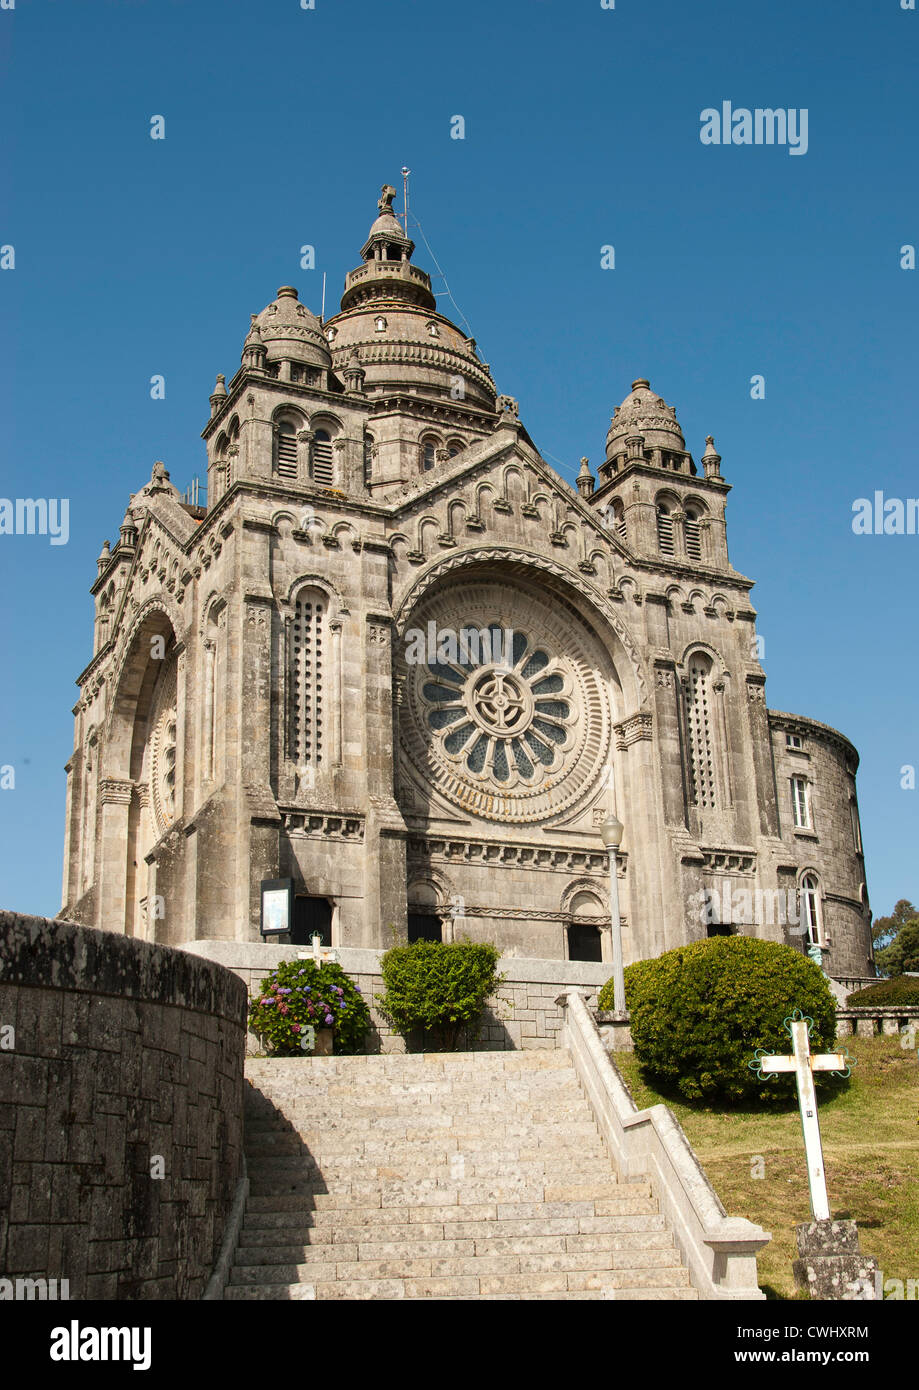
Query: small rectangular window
[[794, 741]]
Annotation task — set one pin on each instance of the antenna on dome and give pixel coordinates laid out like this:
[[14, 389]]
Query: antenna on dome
[[322, 310], [405, 173]]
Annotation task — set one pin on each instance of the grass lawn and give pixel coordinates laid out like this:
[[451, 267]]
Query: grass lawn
[[870, 1130]]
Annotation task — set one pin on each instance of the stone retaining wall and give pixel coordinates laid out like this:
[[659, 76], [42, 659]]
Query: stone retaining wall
[[866, 1020], [121, 1081], [525, 1014]]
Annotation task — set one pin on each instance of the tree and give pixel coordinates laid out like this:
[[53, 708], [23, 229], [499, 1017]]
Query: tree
[[903, 951], [884, 929]]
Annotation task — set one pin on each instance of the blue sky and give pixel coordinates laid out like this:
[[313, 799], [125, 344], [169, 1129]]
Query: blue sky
[[136, 257]]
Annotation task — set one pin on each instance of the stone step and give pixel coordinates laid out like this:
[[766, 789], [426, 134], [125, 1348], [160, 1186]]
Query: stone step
[[456, 1128], [240, 1292], [404, 1064], [386, 1192], [327, 1263], [282, 1248], [273, 1210], [265, 1228], [446, 1170], [440, 1176]]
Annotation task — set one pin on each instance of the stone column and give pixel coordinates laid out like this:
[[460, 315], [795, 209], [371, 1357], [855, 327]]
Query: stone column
[[336, 711], [115, 796], [760, 735]]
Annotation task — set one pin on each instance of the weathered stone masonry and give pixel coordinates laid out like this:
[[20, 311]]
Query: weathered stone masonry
[[123, 1054]]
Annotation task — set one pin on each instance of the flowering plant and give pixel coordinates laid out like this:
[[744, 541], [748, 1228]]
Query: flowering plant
[[300, 995]]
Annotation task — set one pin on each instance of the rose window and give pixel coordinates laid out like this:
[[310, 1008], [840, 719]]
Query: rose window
[[504, 722], [505, 717]]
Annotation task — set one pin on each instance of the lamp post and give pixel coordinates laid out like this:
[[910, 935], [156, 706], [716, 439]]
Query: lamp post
[[611, 831]]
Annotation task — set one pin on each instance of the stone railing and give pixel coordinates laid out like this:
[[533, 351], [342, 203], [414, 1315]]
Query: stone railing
[[720, 1251], [121, 1082], [867, 1020]]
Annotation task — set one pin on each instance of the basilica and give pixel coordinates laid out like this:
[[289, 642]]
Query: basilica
[[399, 663]]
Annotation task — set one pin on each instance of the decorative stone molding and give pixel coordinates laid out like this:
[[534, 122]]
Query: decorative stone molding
[[731, 860], [514, 555], [633, 730], [504, 854], [321, 825], [114, 791]]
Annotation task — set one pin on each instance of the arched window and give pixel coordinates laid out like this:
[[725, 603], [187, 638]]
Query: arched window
[[665, 528], [701, 742], [809, 906], [456, 446], [287, 449], [368, 459], [307, 656], [429, 447], [584, 939], [322, 458], [693, 532]]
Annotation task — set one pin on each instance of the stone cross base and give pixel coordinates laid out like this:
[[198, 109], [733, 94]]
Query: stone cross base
[[831, 1264]]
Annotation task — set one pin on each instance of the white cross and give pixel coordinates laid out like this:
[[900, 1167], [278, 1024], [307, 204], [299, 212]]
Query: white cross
[[804, 1063], [321, 954]]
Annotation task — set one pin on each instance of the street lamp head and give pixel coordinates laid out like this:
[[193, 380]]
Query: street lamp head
[[612, 831]]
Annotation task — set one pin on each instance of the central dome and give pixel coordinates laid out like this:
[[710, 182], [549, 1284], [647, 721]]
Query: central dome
[[389, 321]]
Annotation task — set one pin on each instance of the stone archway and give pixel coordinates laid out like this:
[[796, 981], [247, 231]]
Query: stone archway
[[140, 783]]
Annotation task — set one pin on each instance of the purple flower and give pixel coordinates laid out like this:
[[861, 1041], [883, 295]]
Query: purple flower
[[285, 990], [328, 1018]]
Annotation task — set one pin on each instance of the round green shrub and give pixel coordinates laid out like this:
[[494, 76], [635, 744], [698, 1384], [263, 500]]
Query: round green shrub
[[699, 1013], [438, 988], [300, 993], [902, 990]]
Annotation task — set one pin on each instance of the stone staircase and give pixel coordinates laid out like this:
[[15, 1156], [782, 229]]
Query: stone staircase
[[476, 1175]]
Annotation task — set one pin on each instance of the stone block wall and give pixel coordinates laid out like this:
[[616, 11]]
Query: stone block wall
[[121, 1083], [523, 1015]]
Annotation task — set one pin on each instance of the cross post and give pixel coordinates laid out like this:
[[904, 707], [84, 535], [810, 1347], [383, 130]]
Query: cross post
[[804, 1063]]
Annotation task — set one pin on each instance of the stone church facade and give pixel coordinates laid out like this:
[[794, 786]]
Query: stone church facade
[[397, 659]]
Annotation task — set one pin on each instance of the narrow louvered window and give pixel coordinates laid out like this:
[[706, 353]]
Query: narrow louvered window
[[306, 660], [322, 458], [619, 520], [287, 452], [701, 751], [693, 532], [664, 531]]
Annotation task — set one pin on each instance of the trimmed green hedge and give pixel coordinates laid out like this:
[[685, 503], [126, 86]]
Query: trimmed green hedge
[[902, 990], [699, 1013], [438, 989]]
